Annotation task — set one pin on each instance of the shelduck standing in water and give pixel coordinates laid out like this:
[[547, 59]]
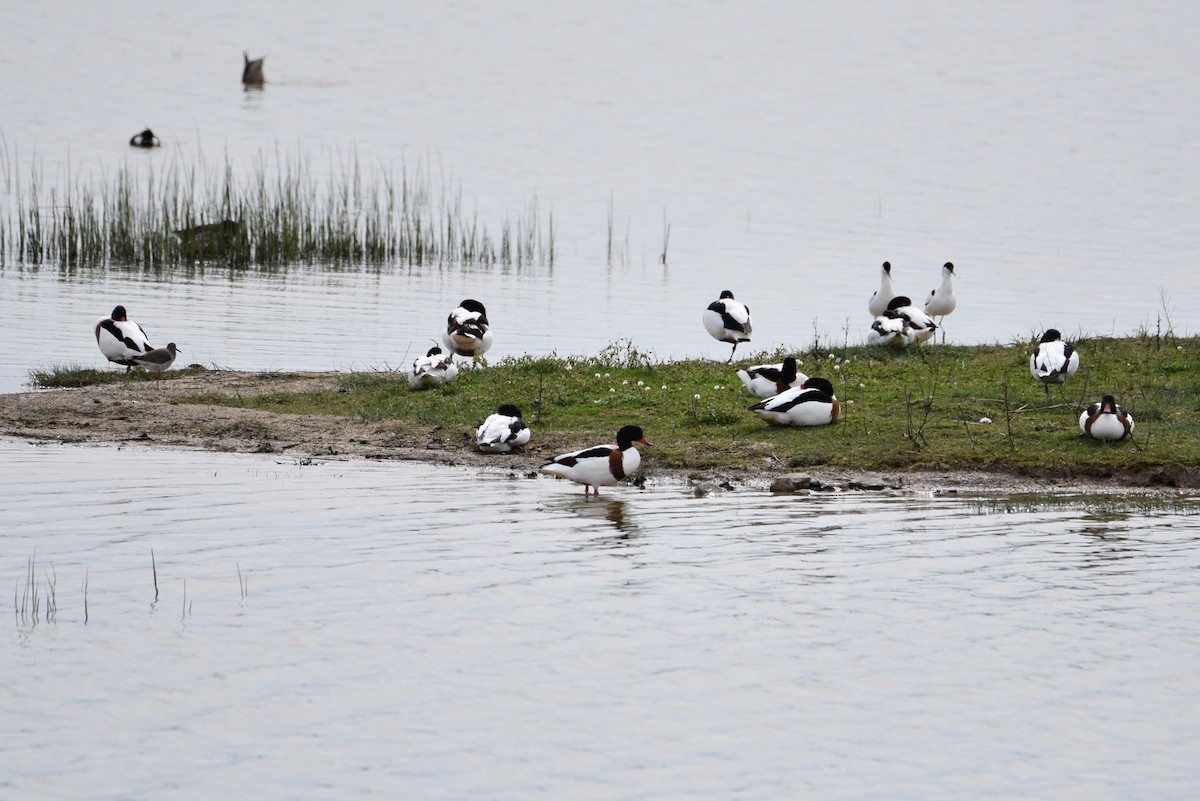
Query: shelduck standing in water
[[813, 404], [1053, 361], [768, 380], [600, 465], [503, 431], [120, 339], [941, 301], [468, 332], [728, 320], [158, 360], [432, 370], [1106, 421], [881, 297]]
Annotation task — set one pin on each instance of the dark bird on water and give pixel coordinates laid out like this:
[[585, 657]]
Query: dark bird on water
[[252, 71], [144, 139]]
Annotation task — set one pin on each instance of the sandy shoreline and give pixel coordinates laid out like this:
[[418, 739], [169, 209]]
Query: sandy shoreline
[[140, 413]]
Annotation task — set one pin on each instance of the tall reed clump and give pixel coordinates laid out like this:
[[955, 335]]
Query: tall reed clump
[[278, 211]]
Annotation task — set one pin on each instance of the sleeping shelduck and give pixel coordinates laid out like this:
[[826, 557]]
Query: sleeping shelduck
[[768, 380], [891, 330], [813, 404], [503, 431], [1053, 361], [728, 320], [1106, 421], [432, 370], [468, 332], [120, 339], [600, 465], [921, 324]]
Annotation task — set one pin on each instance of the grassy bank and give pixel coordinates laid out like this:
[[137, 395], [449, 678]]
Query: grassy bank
[[925, 407]]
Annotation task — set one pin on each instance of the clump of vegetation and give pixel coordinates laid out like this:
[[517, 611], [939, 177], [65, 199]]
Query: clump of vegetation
[[62, 376], [279, 212]]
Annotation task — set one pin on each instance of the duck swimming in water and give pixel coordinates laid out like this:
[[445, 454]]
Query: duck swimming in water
[[252, 70], [145, 139]]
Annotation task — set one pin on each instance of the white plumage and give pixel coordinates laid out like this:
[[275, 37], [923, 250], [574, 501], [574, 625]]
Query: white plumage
[[503, 431], [728, 320], [1053, 361], [768, 380], [920, 324], [1106, 421], [941, 301], [121, 340], [468, 332], [891, 330], [813, 404], [881, 297], [432, 370], [600, 465]]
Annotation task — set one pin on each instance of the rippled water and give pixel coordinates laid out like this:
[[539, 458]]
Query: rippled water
[[342, 629], [1044, 148]]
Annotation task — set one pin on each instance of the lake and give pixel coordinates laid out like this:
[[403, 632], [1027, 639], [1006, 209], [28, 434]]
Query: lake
[[1041, 148], [215, 624], [358, 628]]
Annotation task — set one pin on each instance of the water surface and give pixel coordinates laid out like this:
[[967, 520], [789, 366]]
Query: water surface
[[1046, 149], [349, 628]]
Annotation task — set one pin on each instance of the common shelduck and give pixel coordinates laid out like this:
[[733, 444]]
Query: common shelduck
[[1106, 421], [432, 370], [468, 332], [941, 301], [813, 404], [158, 360], [120, 339], [600, 465], [768, 380], [728, 320], [891, 330], [144, 139], [252, 70], [920, 324], [503, 431], [1053, 361], [881, 297]]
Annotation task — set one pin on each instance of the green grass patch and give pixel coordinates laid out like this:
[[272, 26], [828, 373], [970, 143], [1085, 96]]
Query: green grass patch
[[62, 376], [924, 407]]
